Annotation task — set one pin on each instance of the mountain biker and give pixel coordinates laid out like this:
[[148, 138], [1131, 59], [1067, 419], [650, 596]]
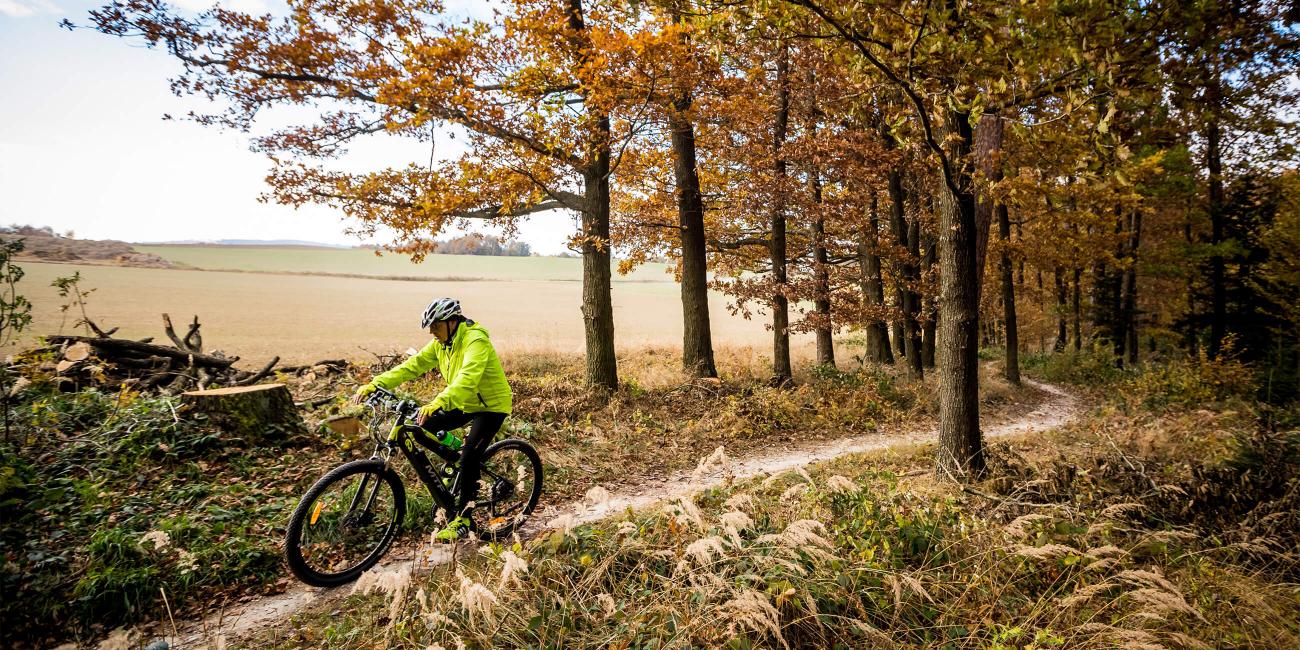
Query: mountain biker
[[477, 393]]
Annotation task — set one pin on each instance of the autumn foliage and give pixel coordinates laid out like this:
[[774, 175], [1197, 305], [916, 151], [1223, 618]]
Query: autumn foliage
[[928, 178]]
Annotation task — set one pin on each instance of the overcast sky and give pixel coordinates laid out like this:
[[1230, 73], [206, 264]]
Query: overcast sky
[[83, 145]]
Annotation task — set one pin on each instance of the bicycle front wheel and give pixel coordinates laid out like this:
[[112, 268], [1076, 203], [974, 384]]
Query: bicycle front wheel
[[510, 485], [345, 523]]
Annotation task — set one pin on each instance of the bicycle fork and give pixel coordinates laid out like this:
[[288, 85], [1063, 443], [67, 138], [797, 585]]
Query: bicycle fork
[[370, 501]]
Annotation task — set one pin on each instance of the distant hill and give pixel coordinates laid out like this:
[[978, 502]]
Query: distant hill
[[472, 244], [41, 243], [245, 242]]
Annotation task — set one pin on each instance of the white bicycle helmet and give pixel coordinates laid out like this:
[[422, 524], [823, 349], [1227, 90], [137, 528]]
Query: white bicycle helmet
[[439, 310]]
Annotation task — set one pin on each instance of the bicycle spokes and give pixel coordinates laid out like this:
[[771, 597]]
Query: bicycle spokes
[[504, 490], [349, 520]]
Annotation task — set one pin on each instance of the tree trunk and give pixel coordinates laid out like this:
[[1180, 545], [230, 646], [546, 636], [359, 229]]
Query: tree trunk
[[1012, 362], [822, 291], [915, 337], [907, 333], [1116, 327], [1097, 314], [823, 328], [896, 329], [929, 342], [262, 413], [910, 302], [1042, 306], [1130, 332], [988, 158], [961, 446], [873, 289], [1214, 165], [781, 371], [1020, 265], [697, 340], [930, 309], [1191, 336], [597, 301], [1062, 338], [1076, 307]]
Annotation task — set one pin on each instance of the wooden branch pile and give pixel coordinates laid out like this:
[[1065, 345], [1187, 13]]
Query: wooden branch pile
[[111, 362]]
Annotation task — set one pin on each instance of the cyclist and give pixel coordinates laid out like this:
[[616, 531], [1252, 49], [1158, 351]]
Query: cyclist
[[477, 394]]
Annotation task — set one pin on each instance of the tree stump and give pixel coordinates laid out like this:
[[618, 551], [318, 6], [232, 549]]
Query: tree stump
[[262, 413]]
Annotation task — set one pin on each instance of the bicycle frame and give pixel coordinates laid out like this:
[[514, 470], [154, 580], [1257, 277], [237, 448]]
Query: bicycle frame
[[411, 440]]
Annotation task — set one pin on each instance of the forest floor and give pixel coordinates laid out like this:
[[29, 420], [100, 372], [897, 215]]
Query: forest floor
[[1159, 510], [1144, 508], [1039, 407], [108, 500]]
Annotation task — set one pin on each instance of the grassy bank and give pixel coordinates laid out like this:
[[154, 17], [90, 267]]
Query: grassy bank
[[1144, 524], [108, 499]]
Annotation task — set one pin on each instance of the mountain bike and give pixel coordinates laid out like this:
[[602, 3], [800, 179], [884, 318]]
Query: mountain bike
[[349, 518]]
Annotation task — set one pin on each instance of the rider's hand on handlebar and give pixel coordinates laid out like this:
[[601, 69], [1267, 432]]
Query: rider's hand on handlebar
[[363, 392], [427, 411]]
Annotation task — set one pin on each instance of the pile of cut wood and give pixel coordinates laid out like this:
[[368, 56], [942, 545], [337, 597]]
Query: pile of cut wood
[[110, 362]]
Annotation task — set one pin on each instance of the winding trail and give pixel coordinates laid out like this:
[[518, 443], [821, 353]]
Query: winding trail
[[246, 619]]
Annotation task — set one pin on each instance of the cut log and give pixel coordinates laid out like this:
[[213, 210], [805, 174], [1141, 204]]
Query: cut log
[[136, 348], [148, 363], [77, 352], [263, 413]]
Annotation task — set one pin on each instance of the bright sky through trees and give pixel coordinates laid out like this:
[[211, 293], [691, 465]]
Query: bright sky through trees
[[83, 145]]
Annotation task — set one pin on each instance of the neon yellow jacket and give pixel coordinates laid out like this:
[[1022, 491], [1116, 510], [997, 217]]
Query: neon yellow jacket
[[476, 382]]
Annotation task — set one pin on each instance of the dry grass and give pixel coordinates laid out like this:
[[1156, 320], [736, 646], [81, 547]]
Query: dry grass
[[1082, 542], [648, 430]]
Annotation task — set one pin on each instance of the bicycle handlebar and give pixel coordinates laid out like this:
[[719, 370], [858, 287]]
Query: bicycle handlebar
[[384, 397]]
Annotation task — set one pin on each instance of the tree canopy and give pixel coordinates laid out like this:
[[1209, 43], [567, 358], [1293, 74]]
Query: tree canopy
[[1127, 169]]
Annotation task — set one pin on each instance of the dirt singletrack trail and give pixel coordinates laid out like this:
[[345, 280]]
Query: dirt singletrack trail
[[246, 619]]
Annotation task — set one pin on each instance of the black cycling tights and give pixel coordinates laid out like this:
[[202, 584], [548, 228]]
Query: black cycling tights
[[483, 428]]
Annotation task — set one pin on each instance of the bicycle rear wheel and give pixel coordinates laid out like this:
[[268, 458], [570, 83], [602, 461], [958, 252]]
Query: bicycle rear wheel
[[510, 484], [345, 523]]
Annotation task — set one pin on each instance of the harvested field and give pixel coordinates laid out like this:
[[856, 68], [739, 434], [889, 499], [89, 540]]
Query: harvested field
[[307, 259], [303, 318]]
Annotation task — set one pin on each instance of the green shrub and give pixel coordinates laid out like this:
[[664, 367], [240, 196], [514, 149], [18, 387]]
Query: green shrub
[[1189, 383], [121, 579], [90, 474], [829, 374], [1094, 366]]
